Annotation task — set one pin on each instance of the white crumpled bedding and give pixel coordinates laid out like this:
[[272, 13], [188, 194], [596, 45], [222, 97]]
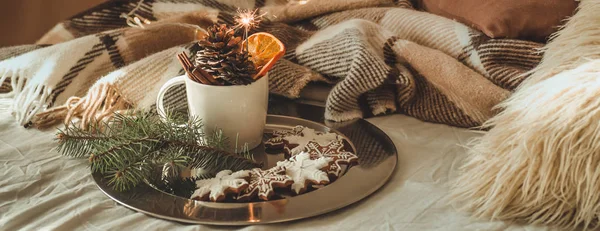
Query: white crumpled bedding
[[41, 190]]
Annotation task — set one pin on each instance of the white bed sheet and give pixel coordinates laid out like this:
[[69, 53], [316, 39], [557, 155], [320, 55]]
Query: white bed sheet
[[41, 190]]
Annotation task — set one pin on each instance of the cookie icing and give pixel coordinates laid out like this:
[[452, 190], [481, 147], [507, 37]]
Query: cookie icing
[[304, 171], [217, 188], [293, 141], [262, 183], [335, 151]]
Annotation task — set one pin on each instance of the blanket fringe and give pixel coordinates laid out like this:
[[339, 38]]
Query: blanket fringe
[[100, 104], [5, 87], [30, 97]]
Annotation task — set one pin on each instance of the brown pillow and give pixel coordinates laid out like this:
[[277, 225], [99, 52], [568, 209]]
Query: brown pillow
[[523, 19]]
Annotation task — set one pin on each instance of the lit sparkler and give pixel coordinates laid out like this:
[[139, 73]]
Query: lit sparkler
[[247, 19]]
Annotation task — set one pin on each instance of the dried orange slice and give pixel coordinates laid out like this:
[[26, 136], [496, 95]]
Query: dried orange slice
[[265, 49]]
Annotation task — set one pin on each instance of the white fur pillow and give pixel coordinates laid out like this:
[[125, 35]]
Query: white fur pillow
[[540, 161]]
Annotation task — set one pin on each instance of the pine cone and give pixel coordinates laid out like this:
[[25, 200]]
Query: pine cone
[[221, 56]]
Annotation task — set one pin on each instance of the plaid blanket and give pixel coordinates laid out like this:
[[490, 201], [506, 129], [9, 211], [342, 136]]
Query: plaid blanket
[[380, 56]]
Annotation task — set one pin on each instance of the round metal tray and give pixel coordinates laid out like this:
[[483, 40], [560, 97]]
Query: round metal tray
[[377, 162]]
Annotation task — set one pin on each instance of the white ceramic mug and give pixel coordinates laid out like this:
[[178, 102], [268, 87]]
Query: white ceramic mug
[[240, 111]]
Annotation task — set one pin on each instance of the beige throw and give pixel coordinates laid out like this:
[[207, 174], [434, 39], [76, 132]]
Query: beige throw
[[379, 56]]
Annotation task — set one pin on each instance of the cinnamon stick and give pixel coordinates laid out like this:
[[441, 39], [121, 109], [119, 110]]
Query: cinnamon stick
[[206, 75], [187, 66]]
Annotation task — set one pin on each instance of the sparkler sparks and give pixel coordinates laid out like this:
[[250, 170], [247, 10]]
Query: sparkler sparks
[[247, 19]]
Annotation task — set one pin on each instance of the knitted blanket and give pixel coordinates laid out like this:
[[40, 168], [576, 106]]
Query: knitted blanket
[[380, 56]]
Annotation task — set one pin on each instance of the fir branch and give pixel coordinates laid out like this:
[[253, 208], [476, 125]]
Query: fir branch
[[62, 136], [74, 141], [127, 148], [128, 175], [74, 145], [103, 160], [174, 159]]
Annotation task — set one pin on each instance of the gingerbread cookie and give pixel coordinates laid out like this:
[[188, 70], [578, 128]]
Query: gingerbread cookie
[[295, 131], [306, 171], [293, 141], [217, 188], [335, 151], [278, 142], [262, 183]]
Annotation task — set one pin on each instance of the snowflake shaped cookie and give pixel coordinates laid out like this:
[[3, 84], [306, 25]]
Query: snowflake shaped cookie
[[306, 171], [224, 183], [262, 183], [293, 141], [335, 151], [295, 131]]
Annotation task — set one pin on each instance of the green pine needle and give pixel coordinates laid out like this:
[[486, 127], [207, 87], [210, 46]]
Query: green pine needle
[[129, 148]]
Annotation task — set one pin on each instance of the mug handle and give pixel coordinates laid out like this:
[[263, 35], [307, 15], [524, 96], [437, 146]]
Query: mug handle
[[160, 108]]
